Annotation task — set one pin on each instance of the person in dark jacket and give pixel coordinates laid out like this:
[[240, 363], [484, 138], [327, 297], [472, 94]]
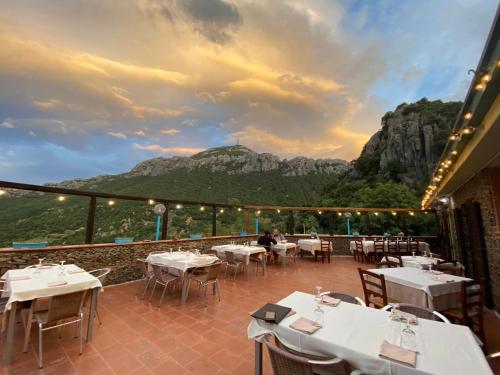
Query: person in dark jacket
[[266, 240]]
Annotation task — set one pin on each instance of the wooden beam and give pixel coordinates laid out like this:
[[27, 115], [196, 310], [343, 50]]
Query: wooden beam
[[247, 221], [214, 221], [164, 226], [89, 232]]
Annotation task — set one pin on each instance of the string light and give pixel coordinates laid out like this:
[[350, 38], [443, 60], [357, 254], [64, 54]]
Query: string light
[[479, 87], [2, 192], [340, 214], [111, 203], [358, 213], [454, 152], [178, 206], [278, 210], [320, 212], [258, 212], [61, 198], [393, 213], [468, 116], [221, 211], [486, 78], [411, 213], [202, 208], [468, 130], [239, 209], [375, 213], [151, 202], [454, 137]]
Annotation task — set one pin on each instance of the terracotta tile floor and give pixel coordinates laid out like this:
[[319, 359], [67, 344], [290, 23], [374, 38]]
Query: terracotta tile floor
[[139, 338]]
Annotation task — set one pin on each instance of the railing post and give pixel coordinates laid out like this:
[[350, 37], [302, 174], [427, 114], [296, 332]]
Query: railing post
[[164, 226], [214, 221], [247, 220], [89, 233]]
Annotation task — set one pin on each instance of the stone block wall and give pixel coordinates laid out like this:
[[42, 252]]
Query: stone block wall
[[478, 189]]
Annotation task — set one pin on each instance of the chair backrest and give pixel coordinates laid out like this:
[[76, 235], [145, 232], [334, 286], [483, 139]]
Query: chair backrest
[[449, 269], [325, 245], [346, 297], [413, 246], [379, 246], [213, 271], [101, 274], [359, 246], [65, 306], [157, 270], [388, 263], [418, 311], [471, 298], [229, 256], [373, 286], [213, 252]]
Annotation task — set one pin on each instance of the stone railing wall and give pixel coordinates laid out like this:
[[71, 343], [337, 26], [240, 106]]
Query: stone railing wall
[[120, 258]]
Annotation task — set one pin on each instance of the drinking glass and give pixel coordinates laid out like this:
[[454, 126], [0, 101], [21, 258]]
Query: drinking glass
[[319, 315], [317, 297], [413, 254], [38, 268], [408, 339], [61, 268]]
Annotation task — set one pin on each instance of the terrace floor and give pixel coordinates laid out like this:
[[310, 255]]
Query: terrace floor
[[137, 337]]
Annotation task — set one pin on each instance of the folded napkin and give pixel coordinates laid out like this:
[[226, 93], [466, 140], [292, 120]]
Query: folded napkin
[[397, 354], [330, 301], [57, 283], [19, 277], [442, 279], [435, 272], [305, 325], [75, 270], [399, 315]]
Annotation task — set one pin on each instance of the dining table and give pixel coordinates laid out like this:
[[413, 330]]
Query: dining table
[[355, 333], [28, 284], [311, 245], [243, 252], [431, 289], [184, 262]]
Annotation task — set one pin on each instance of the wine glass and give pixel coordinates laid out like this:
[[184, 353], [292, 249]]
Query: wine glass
[[319, 315], [38, 268], [407, 334], [61, 268], [317, 297], [413, 254]]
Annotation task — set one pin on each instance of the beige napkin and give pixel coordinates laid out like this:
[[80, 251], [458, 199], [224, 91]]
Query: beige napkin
[[19, 277], [330, 301], [75, 270], [305, 325], [397, 354], [57, 283]]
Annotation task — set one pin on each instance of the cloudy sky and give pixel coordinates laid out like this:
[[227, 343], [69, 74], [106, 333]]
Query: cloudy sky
[[95, 86]]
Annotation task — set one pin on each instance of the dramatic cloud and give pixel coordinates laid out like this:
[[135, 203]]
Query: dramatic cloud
[[113, 82]]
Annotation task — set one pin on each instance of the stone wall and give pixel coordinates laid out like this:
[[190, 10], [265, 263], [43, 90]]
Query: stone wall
[[478, 190], [121, 257]]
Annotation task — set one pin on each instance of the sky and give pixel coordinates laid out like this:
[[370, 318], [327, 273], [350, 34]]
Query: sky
[[94, 87]]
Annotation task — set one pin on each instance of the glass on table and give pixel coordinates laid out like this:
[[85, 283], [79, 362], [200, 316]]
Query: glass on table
[[61, 268], [38, 268], [408, 336], [413, 254], [317, 296]]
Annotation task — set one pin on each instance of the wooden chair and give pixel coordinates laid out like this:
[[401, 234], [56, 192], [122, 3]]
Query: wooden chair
[[378, 251], [373, 288], [346, 297], [388, 264], [359, 254], [393, 254], [284, 362], [414, 247], [449, 268], [324, 252], [63, 310], [260, 262], [209, 277], [470, 312], [418, 311]]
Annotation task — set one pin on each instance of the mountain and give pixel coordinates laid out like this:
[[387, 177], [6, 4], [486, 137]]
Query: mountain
[[398, 158], [409, 143]]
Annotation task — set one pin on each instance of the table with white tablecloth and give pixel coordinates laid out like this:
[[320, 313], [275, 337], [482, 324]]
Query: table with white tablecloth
[[430, 289], [369, 246], [355, 333], [311, 245], [182, 261], [28, 284], [242, 252], [281, 247]]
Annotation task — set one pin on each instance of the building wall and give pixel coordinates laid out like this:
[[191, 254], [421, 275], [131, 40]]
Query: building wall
[[478, 189]]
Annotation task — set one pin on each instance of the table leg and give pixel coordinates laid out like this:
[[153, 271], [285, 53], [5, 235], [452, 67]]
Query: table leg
[[247, 263], [28, 322], [92, 310], [185, 287], [258, 358], [9, 335]]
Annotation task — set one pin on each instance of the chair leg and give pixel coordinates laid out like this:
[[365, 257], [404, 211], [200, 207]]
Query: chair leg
[[146, 286], [163, 294], [80, 326], [40, 359], [153, 292], [28, 323]]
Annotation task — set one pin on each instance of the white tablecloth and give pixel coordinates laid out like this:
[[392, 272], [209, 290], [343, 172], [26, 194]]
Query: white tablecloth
[[37, 286], [181, 260], [369, 246], [417, 261], [354, 332], [243, 251], [423, 288], [281, 247], [311, 245]]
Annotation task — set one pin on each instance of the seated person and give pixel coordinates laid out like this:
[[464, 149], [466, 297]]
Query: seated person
[[266, 240], [278, 236]]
